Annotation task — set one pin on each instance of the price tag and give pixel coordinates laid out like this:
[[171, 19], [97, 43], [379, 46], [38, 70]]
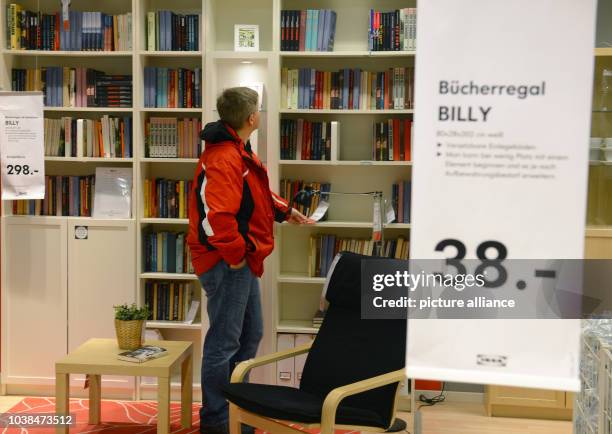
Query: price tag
[[66, 14], [22, 146], [389, 212], [320, 211]]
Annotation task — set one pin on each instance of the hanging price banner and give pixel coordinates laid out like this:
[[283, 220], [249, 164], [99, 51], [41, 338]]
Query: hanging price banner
[[22, 145], [500, 172]]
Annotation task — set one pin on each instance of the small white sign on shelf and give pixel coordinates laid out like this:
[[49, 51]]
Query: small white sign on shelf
[[113, 193], [246, 37]]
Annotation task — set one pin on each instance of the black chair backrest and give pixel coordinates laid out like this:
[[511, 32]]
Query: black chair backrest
[[349, 349]]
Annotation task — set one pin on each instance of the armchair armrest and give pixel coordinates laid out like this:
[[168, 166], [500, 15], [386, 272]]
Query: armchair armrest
[[333, 398], [244, 367]]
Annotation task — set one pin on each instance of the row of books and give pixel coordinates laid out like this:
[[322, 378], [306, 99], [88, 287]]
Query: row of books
[[348, 89], [107, 137], [401, 194], [289, 190], [392, 140], [324, 247], [166, 252], [168, 301], [167, 31], [86, 31], [166, 198], [308, 30], [167, 87], [75, 87], [305, 140], [392, 31], [172, 137], [64, 196]]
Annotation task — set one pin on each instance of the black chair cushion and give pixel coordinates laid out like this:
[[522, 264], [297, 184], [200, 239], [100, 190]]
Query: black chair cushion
[[288, 403]]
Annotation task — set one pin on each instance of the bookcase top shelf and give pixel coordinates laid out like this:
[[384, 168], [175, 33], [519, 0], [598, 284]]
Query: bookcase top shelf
[[346, 112], [67, 53], [168, 276], [348, 53]]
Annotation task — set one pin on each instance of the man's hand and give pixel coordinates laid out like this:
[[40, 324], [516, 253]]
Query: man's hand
[[297, 218], [239, 265]]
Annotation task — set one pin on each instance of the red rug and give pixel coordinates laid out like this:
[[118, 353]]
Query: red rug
[[126, 417]]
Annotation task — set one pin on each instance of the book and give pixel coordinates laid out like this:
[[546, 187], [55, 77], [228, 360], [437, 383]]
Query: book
[[86, 31], [169, 31], [64, 196], [172, 88], [347, 89], [308, 30], [142, 354], [302, 139]]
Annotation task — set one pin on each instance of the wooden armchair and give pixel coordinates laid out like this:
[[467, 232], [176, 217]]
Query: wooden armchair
[[352, 374]]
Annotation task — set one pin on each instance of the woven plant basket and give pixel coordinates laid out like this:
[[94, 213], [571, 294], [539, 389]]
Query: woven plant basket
[[129, 333]]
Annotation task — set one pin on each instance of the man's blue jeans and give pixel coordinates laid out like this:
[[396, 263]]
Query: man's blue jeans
[[236, 328]]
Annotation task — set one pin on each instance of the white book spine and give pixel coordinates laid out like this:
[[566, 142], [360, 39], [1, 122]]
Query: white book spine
[[151, 31], [79, 138], [335, 141]]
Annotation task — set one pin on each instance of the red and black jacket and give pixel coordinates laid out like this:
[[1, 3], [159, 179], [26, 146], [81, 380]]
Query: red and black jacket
[[232, 210]]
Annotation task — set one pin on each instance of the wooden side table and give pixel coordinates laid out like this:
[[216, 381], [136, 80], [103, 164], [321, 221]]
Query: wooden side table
[[98, 357]]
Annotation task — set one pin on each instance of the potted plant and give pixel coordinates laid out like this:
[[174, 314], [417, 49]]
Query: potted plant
[[129, 325]]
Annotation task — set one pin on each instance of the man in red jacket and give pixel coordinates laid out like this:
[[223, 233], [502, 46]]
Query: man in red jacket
[[231, 218]]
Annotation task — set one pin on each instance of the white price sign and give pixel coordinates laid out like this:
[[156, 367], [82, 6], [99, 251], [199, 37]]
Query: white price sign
[[22, 145], [501, 143]]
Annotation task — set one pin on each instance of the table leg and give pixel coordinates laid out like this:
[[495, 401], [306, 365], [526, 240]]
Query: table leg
[[163, 405], [62, 384], [95, 390], [186, 391]]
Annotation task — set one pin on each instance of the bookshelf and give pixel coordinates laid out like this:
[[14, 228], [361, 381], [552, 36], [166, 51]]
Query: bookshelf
[[290, 296]]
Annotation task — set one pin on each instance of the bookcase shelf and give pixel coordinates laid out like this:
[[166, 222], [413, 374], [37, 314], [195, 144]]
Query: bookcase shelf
[[603, 51], [296, 326], [348, 53], [168, 276], [240, 55], [343, 163], [300, 278], [169, 160], [171, 110], [346, 112], [173, 325], [164, 221], [89, 159], [170, 53], [345, 224], [90, 109], [45, 53]]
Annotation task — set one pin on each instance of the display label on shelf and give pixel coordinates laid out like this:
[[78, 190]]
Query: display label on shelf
[[500, 172], [22, 152]]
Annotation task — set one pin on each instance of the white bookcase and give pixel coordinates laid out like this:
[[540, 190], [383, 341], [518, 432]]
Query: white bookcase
[[290, 297]]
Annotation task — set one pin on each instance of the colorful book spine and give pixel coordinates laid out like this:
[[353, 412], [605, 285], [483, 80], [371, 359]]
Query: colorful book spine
[[173, 137], [86, 31], [401, 198], [324, 247], [305, 140], [74, 87], [289, 190], [166, 198], [392, 31], [167, 300], [109, 137], [308, 30], [64, 196], [172, 88], [174, 251], [347, 89], [391, 140], [168, 31]]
